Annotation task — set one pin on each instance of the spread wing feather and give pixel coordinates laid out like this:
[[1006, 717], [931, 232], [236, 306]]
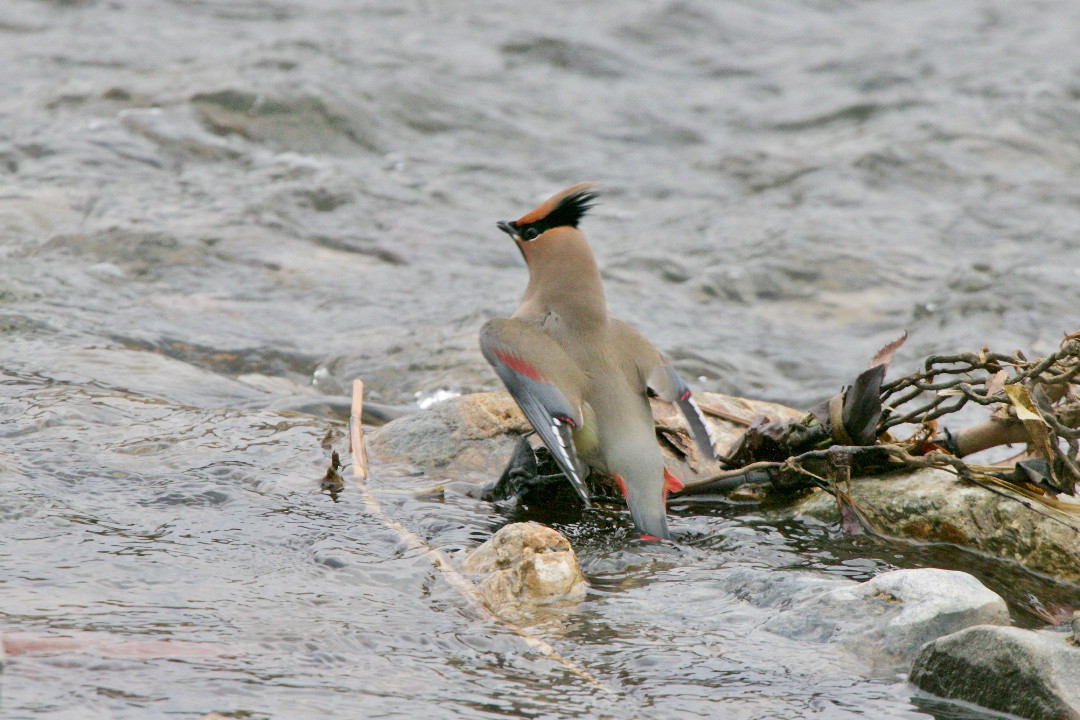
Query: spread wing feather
[[546, 384], [662, 379], [666, 383]]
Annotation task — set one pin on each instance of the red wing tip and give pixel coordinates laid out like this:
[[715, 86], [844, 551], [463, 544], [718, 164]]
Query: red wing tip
[[651, 538]]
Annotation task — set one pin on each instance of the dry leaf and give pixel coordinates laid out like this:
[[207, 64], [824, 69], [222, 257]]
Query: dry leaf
[[1036, 427], [885, 354], [996, 383]]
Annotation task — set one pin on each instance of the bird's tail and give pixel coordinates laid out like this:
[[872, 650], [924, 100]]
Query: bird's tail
[[647, 507]]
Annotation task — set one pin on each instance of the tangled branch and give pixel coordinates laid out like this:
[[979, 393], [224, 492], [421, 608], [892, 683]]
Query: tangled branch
[[1034, 402]]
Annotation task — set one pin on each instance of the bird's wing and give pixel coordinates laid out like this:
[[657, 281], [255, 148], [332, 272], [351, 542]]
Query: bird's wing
[[666, 383], [546, 384], [662, 379]]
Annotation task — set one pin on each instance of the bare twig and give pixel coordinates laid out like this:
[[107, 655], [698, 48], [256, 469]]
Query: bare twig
[[356, 432], [982, 378], [725, 474]]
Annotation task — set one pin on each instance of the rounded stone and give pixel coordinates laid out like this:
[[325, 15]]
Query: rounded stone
[[525, 563]]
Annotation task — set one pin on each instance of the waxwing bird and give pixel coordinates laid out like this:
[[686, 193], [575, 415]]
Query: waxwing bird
[[581, 376]]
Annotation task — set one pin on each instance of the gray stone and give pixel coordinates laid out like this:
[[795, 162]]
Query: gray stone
[[779, 589], [474, 433], [885, 620], [1031, 674]]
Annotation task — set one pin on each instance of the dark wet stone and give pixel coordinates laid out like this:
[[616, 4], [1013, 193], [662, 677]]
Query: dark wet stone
[[334, 562], [10, 324], [1031, 674], [143, 254]]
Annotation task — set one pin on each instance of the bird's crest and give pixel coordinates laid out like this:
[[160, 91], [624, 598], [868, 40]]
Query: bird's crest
[[561, 209]]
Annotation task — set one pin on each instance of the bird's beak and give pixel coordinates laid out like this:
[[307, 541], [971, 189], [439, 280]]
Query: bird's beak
[[508, 228]]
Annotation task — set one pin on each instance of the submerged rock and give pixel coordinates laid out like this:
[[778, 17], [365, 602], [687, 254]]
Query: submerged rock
[[933, 505], [525, 564], [1031, 674], [884, 621]]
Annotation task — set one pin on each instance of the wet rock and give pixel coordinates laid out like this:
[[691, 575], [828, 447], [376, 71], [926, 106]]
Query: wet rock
[[586, 59], [31, 213], [1031, 674], [471, 433], [884, 621], [932, 505], [477, 433], [525, 564], [887, 619]]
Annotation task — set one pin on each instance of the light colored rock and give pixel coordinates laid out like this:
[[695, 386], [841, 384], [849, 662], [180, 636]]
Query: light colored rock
[[1031, 674], [934, 595], [933, 505], [525, 564], [884, 620]]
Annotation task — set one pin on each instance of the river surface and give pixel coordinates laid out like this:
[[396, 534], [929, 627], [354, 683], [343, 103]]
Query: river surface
[[214, 213]]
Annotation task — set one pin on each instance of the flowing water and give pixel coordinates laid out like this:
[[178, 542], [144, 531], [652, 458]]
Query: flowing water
[[214, 213]]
